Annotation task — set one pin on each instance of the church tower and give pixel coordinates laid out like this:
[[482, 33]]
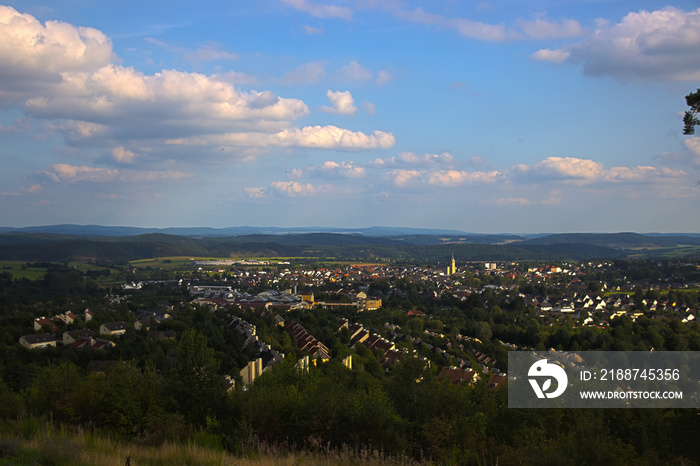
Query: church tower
[[452, 269]]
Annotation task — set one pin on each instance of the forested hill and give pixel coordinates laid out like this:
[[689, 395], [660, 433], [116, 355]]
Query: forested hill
[[56, 247], [615, 240]]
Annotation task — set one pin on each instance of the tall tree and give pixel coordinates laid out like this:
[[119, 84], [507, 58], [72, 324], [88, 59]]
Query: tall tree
[[690, 120], [197, 386]]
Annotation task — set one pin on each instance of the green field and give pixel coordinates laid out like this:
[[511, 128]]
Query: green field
[[19, 270]]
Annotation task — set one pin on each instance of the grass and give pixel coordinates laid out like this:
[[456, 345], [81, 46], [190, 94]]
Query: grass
[[39, 443]]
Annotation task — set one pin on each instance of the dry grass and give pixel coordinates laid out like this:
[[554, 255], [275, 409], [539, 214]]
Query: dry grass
[[60, 446]]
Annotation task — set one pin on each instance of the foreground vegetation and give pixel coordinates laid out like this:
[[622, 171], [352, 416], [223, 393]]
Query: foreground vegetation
[[39, 442]]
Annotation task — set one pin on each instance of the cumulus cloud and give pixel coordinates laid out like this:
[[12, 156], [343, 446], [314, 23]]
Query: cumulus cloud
[[320, 10], [341, 103], [293, 188], [554, 56], [254, 192], [402, 177], [411, 158], [69, 76], [122, 155], [295, 174], [568, 167], [585, 171], [341, 170], [656, 45], [119, 98], [456, 177], [64, 173], [443, 178], [320, 137], [33, 55], [642, 174]]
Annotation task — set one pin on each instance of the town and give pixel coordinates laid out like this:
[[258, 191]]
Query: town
[[447, 324]]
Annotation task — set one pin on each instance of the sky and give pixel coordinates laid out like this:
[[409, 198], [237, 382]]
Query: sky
[[486, 117]]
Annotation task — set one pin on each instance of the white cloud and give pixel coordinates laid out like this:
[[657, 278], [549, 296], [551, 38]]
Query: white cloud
[[236, 78], [383, 77], [254, 192], [507, 201], [293, 188], [341, 103], [369, 107], [585, 171], [34, 55], [403, 177], [642, 174], [411, 158], [353, 71], [482, 31], [656, 45], [443, 178], [693, 144], [320, 137], [313, 30], [320, 10], [122, 155], [33, 189], [64, 74], [64, 173], [342, 169], [555, 56], [295, 174], [114, 99], [418, 15], [544, 29], [569, 167], [209, 51], [555, 198], [457, 177]]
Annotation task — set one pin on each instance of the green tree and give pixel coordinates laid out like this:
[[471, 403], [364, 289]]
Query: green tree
[[198, 388], [690, 120]]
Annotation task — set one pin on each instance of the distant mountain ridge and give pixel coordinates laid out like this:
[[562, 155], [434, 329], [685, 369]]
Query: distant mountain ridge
[[70, 242], [100, 230]]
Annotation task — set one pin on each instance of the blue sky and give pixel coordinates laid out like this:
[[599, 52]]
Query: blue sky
[[549, 116]]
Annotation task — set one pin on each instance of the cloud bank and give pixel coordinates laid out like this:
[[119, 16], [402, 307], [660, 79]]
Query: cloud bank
[[649, 45]]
